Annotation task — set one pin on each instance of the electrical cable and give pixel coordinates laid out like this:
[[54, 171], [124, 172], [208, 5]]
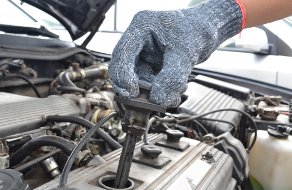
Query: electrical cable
[[70, 89], [22, 168], [185, 116], [226, 109], [200, 126], [48, 140], [165, 126], [150, 122], [219, 120], [87, 124], [166, 119], [76, 150], [34, 88]]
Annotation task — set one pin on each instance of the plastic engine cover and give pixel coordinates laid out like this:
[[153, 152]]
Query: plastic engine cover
[[201, 99], [199, 166]]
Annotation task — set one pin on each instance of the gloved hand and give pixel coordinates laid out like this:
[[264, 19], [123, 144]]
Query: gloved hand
[[159, 48]]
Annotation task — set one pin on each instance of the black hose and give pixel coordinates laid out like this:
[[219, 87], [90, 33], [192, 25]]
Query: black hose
[[26, 80], [85, 139], [87, 124], [35, 143]]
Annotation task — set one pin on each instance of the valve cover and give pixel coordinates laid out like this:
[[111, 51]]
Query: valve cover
[[199, 166]]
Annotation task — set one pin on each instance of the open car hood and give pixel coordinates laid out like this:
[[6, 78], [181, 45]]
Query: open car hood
[[78, 16]]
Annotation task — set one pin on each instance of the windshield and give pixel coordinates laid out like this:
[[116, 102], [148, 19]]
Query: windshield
[[10, 14], [22, 19]]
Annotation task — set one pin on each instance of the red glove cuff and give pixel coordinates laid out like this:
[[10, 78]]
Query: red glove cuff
[[243, 11]]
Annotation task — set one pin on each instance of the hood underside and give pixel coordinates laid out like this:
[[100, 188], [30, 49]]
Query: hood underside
[[78, 16]]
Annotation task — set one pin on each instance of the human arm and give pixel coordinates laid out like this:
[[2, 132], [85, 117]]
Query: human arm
[[259, 12]]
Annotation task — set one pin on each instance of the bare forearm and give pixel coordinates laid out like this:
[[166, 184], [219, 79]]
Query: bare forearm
[[259, 12]]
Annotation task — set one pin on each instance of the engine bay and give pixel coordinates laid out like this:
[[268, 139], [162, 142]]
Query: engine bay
[[48, 106]]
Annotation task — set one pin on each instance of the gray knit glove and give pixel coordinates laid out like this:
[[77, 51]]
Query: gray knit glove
[[159, 48]]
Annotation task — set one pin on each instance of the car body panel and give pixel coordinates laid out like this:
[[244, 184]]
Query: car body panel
[[270, 69]]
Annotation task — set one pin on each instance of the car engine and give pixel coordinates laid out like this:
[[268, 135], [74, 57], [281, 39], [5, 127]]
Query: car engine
[[48, 106]]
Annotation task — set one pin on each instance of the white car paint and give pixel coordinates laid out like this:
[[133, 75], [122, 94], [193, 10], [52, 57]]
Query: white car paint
[[270, 69]]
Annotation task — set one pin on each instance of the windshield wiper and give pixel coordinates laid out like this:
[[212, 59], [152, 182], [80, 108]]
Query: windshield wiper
[[42, 31]]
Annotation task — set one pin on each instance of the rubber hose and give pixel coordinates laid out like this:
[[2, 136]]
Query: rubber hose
[[65, 145], [87, 124], [72, 157], [34, 88]]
